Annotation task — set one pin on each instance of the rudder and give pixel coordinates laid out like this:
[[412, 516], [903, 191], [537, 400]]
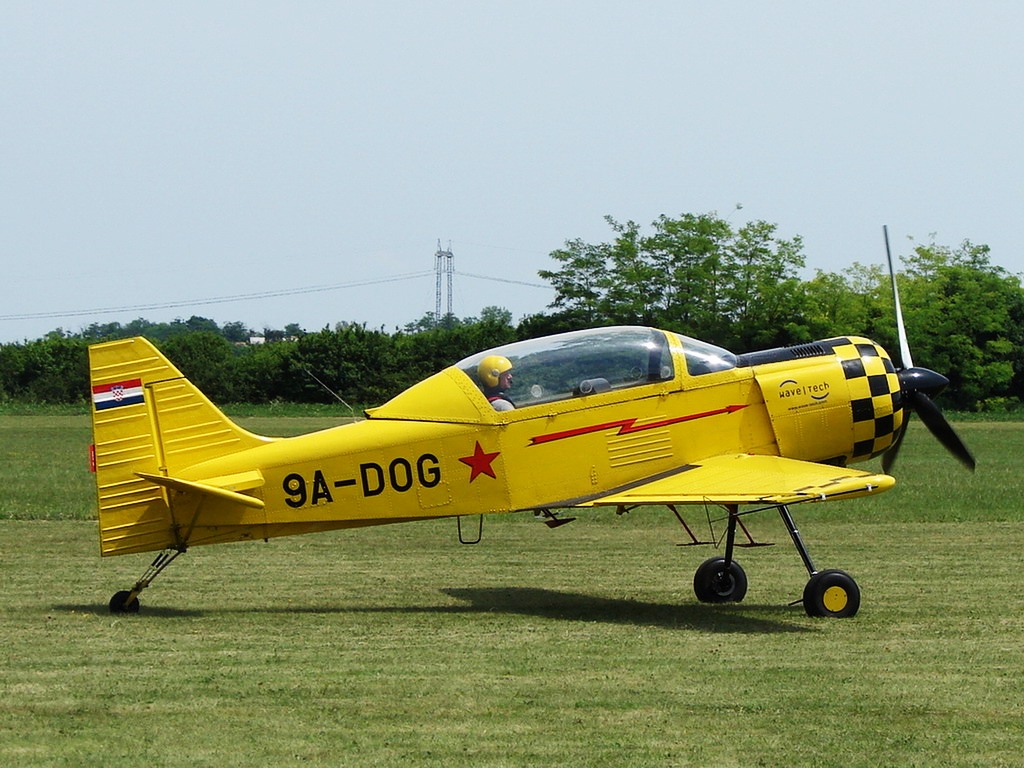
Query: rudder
[[148, 418]]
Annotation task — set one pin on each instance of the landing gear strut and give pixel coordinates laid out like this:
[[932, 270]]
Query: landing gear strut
[[127, 600], [828, 593]]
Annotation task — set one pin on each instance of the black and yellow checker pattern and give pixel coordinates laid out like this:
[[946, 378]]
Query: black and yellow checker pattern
[[875, 398]]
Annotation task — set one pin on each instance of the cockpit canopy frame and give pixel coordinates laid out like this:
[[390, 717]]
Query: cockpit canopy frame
[[560, 368], [594, 361]]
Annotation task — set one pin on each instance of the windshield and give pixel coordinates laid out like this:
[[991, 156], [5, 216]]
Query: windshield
[[702, 357], [571, 365]]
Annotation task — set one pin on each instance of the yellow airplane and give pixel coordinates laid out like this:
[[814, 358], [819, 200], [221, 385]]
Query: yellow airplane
[[622, 416]]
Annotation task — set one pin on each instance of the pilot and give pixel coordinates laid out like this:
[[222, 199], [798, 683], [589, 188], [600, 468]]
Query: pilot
[[495, 372]]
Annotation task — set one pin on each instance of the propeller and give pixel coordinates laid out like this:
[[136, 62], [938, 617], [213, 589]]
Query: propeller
[[918, 386]]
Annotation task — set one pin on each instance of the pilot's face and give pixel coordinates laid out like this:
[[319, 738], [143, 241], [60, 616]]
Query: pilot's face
[[505, 380]]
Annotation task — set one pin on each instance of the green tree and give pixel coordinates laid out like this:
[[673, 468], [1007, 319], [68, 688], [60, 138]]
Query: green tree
[[688, 255], [268, 372], [632, 284], [50, 370], [764, 297], [495, 316], [207, 359], [849, 302], [581, 282], [694, 273], [236, 332], [359, 364], [963, 318]]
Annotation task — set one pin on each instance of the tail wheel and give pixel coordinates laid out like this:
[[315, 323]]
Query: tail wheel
[[831, 593], [120, 603], [718, 582]]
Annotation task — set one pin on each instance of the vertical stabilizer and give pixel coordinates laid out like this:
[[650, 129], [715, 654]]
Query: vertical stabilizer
[[148, 419]]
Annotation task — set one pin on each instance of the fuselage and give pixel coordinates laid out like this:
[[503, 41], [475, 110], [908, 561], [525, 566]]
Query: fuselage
[[594, 414]]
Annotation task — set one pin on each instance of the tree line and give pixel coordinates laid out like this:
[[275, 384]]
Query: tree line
[[739, 287]]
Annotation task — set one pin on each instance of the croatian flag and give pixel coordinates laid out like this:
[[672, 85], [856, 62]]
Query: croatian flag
[[115, 395]]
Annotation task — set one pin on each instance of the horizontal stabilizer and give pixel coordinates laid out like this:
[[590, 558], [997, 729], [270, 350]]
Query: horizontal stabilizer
[[210, 489]]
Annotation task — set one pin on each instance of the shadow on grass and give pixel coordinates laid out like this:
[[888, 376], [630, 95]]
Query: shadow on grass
[[97, 609], [570, 606], [528, 601]]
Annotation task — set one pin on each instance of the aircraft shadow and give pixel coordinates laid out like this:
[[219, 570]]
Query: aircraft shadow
[[98, 609], [570, 606], [539, 603]]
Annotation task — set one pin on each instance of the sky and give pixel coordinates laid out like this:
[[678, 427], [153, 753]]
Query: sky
[[300, 162]]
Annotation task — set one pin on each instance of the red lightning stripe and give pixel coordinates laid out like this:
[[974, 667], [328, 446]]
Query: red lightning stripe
[[627, 426]]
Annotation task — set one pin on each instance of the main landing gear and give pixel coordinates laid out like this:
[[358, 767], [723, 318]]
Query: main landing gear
[[127, 600], [827, 593]]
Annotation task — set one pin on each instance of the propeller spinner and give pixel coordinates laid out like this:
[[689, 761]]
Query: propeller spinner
[[918, 386]]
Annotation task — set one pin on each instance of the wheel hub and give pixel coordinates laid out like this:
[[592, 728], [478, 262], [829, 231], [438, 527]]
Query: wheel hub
[[724, 583], [835, 599]]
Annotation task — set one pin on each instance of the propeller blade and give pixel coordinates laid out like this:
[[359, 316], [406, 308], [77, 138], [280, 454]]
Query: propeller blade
[[889, 457], [940, 428], [901, 329], [918, 386]]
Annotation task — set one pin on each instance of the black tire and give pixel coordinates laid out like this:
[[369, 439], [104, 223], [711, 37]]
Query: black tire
[[714, 582], [119, 604], [832, 594]]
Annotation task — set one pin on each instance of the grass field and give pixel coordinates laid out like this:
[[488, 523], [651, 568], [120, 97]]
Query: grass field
[[579, 646]]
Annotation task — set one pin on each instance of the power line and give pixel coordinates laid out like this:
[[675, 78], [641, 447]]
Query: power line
[[502, 280], [215, 300], [259, 295]]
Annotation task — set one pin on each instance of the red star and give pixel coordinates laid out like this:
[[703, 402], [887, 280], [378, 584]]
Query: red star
[[480, 463]]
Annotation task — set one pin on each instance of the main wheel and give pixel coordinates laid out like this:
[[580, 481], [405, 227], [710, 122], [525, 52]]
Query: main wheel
[[715, 582], [119, 603], [831, 593]]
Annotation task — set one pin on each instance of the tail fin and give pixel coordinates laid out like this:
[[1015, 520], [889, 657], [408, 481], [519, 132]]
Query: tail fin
[[148, 420]]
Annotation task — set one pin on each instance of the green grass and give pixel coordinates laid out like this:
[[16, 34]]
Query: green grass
[[578, 646]]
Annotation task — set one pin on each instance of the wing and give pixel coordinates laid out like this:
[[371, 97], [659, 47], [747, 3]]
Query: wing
[[748, 479]]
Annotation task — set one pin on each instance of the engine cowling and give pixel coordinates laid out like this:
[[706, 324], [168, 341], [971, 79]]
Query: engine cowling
[[835, 401]]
